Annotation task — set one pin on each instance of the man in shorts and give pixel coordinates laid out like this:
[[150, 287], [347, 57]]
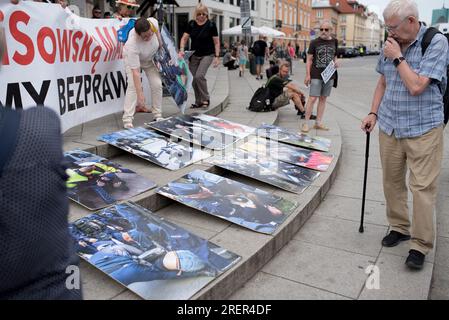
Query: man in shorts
[[260, 50], [322, 51]]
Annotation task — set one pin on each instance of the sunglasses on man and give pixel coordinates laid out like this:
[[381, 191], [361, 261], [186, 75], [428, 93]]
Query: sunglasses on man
[[324, 29], [130, 7], [201, 14]]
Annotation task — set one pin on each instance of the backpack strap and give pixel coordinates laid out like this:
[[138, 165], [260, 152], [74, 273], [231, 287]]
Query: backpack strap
[[427, 38], [425, 43], [9, 127]]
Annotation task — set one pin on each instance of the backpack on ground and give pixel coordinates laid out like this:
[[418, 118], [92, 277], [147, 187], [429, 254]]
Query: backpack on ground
[[260, 102], [427, 39]]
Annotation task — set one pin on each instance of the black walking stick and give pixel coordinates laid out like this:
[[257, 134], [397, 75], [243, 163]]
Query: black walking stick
[[364, 181]]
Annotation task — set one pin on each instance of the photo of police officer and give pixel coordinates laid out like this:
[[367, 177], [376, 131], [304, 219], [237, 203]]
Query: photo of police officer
[[155, 148], [96, 182], [147, 254], [277, 173], [236, 202]]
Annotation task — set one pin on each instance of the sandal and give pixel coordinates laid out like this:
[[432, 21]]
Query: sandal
[[205, 104]]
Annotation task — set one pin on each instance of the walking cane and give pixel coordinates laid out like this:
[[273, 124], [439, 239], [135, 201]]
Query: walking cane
[[364, 181]]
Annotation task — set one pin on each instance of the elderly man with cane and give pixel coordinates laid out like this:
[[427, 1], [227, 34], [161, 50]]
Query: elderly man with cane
[[408, 104]]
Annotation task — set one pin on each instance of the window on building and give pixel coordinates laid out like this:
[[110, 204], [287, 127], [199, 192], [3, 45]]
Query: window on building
[[295, 17], [319, 14], [291, 15], [280, 10], [285, 14]]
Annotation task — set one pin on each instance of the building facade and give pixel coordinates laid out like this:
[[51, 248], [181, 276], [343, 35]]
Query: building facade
[[375, 32], [323, 10], [352, 28], [440, 16], [293, 17]]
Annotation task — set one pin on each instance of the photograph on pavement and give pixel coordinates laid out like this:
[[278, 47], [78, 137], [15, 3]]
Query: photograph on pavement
[[280, 134], [311, 159], [155, 148], [233, 201], [176, 127], [277, 173], [95, 182], [151, 256], [229, 127]]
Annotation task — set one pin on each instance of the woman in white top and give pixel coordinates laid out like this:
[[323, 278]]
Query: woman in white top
[[138, 53]]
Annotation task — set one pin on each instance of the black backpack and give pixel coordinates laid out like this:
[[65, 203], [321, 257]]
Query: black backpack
[[427, 39], [256, 49], [260, 102]]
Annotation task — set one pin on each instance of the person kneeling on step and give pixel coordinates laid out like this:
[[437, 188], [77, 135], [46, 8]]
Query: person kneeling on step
[[282, 90]]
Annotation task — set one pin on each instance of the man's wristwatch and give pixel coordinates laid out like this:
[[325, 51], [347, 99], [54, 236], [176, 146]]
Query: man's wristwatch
[[398, 61]]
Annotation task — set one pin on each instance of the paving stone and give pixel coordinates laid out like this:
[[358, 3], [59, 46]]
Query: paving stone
[[268, 287], [397, 282], [342, 234], [324, 268]]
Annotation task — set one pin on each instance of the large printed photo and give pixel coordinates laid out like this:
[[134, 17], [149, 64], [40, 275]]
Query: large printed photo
[[174, 71], [311, 159], [233, 201], [296, 139], [155, 148], [96, 182], [221, 125], [277, 173], [178, 127], [151, 256]]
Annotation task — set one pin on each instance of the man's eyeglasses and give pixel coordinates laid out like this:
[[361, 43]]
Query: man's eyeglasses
[[389, 29], [324, 29], [130, 7]]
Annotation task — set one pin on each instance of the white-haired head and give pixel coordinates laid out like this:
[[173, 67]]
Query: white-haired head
[[401, 9], [326, 23]]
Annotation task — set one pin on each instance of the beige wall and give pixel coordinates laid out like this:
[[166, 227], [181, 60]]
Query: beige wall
[[320, 14], [352, 30]]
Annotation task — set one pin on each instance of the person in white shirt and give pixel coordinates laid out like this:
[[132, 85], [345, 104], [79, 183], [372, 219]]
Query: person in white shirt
[[143, 43]]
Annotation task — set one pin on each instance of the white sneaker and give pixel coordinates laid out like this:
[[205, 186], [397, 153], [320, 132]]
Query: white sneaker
[[128, 125], [159, 119]]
